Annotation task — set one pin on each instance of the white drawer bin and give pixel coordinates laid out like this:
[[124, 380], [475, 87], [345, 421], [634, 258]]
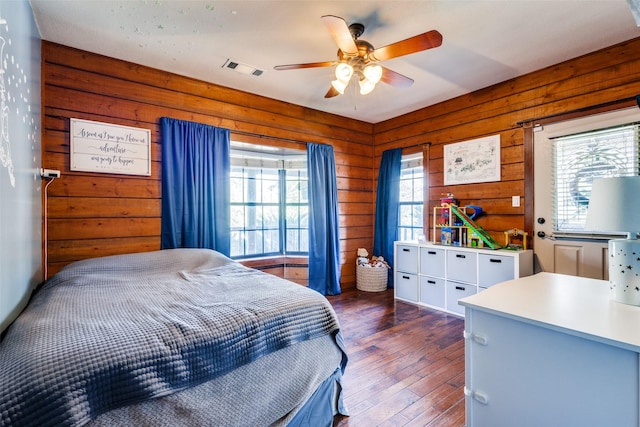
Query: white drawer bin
[[407, 258], [406, 286], [432, 262], [494, 269], [432, 291], [461, 266], [455, 291]]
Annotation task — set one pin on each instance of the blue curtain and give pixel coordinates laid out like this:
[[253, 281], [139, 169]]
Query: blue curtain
[[388, 197], [324, 243], [195, 186]]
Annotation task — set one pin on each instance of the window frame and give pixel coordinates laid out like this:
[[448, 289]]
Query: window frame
[[258, 157], [299, 204], [414, 161]]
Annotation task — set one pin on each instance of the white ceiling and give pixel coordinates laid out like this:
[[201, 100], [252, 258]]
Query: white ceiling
[[484, 42]]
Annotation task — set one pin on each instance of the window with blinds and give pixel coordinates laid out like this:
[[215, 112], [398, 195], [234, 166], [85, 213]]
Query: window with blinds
[[411, 204], [581, 157]]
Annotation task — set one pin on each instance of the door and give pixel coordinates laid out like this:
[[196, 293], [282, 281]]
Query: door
[[576, 254]]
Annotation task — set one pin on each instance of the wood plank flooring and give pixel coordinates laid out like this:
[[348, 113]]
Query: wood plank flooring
[[406, 363]]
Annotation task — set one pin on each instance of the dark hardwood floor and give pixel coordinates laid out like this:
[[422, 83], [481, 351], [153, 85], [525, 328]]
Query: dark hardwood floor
[[406, 363]]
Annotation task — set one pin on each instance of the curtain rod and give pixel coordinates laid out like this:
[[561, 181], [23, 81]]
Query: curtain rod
[[417, 145], [631, 100], [257, 135], [413, 146], [278, 138]]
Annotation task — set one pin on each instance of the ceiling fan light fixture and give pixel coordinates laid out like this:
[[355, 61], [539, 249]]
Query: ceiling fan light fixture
[[373, 73], [359, 57], [339, 85], [344, 72], [366, 86]]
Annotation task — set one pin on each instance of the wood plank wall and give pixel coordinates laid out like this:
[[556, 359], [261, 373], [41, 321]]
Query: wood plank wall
[[95, 214], [603, 77], [91, 214]]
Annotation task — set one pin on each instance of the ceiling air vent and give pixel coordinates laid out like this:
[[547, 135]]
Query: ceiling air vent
[[242, 68]]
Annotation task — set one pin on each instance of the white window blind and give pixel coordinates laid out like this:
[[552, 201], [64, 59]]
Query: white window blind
[[580, 158]]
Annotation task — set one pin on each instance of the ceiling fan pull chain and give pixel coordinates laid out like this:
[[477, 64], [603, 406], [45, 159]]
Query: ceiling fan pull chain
[[355, 98]]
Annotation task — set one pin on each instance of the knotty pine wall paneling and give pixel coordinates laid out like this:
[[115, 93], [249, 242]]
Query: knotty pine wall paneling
[[602, 77], [93, 214], [96, 214]]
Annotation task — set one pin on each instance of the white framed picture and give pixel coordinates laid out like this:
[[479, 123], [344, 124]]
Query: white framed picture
[[476, 160], [109, 148]]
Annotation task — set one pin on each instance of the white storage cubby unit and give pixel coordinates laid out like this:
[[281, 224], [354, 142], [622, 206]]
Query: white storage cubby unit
[[438, 276]]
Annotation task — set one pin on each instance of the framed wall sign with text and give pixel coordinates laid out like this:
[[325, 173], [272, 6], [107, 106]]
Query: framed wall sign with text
[[109, 148]]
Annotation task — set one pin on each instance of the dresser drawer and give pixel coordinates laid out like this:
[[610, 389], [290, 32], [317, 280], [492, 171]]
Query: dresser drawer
[[461, 266], [406, 286], [494, 269], [407, 259], [432, 291], [455, 291], [432, 262]]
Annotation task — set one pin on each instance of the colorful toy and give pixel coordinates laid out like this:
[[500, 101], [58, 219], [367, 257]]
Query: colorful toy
[[460, 228], [509, 234], [445, 202]]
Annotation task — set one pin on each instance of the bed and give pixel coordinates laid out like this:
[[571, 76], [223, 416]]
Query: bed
[[172, 337]]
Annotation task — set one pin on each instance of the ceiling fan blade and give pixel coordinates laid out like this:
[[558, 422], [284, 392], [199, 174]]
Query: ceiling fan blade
[[414, 44], [308, 65], [395, 79], [332, 92], [339, 30]]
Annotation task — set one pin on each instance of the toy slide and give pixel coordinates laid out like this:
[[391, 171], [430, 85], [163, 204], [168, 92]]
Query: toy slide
[[486, 238]]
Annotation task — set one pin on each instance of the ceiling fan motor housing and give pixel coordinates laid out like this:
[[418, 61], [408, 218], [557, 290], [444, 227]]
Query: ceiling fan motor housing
[[356, 29], [364, 48]]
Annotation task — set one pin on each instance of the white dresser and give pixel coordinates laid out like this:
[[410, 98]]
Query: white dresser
[[437, 276], [551, 350]]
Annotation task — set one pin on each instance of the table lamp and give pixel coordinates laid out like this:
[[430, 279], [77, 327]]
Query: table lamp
[[614, 206]]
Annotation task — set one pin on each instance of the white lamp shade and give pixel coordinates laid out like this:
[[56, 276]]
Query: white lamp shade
[[339, 85], [373, 73], [344, 72], [366, 86], [614, 205]]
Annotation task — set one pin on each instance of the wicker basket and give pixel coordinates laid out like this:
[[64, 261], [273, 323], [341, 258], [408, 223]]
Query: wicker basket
[[371, 279]]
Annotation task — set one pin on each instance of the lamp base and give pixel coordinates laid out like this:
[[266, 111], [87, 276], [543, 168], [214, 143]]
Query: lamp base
[[624, 270]]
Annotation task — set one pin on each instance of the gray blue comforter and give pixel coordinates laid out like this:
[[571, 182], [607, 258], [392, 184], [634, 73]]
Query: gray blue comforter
[[118, 330]]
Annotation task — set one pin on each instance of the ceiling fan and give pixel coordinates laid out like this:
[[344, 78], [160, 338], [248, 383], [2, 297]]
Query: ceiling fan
[[358, 57]]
